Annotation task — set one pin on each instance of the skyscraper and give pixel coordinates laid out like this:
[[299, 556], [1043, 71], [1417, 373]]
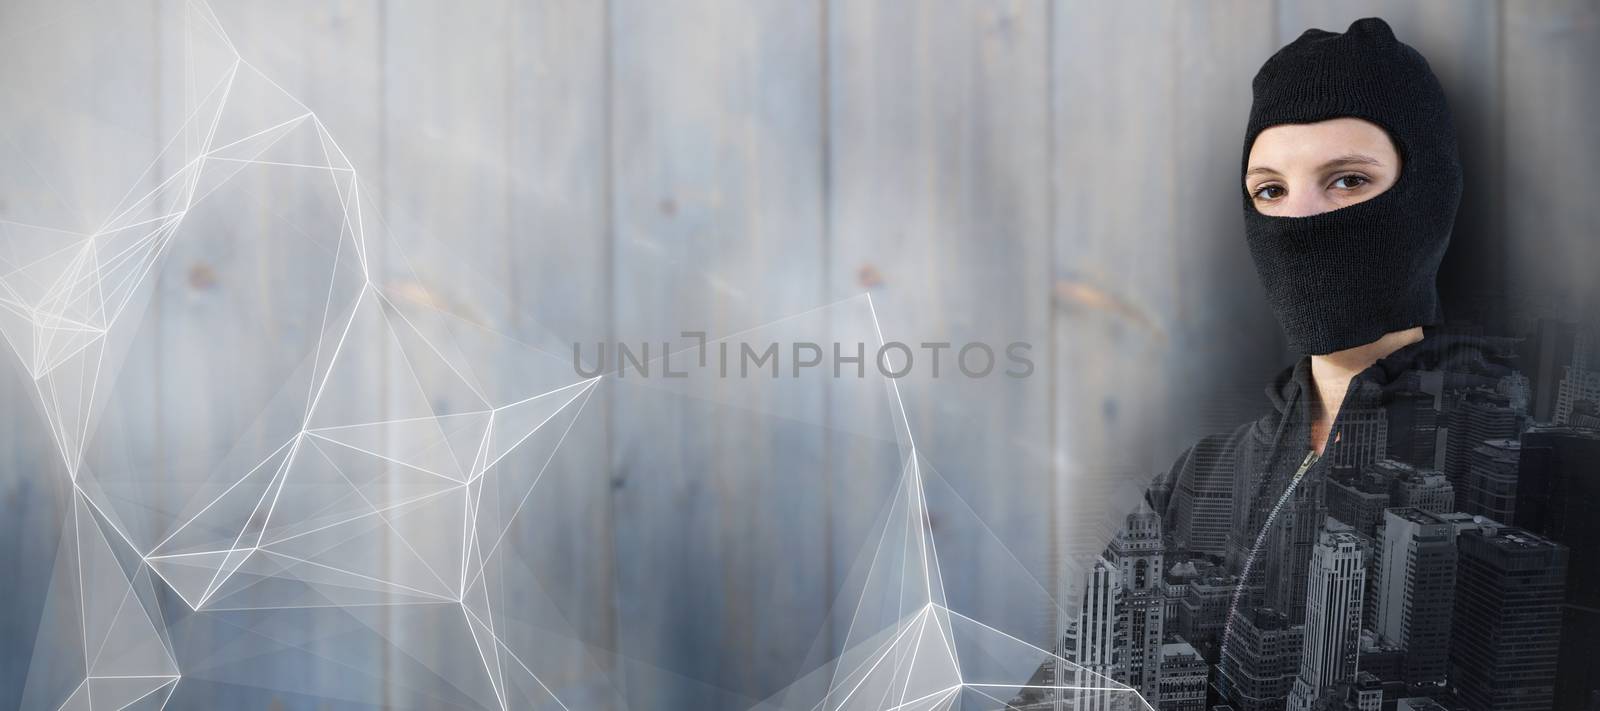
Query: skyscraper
[[1358, 498], [1364, 693], [1549, 352], [1416, 590], [1475, 416], [1578, 386], [1425, 489], [1507, 619], [1204, 609], [1095, 637], [1491, 483], [1204, 501], [1414, 420], [1173, 584], [1259, 661], [1585, 413], [1582, 377], [1363, 437], [1137, 553], [1289, 542], [1558, 497], [1335, 582], [1183, 678]]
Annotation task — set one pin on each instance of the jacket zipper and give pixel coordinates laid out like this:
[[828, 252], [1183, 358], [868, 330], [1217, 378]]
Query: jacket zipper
[[1305, 464], [1249, 562], [1311, 458], [1244, 574]]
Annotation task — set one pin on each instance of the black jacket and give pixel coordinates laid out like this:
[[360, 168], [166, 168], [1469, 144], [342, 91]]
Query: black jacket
[[1233, 501]]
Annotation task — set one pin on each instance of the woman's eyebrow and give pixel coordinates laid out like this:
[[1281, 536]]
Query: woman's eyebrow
[[1350, 158], [1346, 159]]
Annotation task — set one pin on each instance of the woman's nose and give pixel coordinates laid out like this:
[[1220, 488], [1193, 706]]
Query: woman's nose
[[1304, 202]]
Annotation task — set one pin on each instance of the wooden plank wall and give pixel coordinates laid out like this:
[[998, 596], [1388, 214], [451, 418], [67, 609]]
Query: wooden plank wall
[[1059, 173]]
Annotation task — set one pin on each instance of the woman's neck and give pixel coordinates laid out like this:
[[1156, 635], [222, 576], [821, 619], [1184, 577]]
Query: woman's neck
[[1333, 372]]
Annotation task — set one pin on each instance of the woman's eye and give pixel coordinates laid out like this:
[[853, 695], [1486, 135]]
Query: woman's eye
[[1358, 182], [1268, 192]]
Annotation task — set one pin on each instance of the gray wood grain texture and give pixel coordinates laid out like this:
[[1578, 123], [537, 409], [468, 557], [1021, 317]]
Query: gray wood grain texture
[[1060, 173], [556, 266], [1114, 295], [446, 116], [716, 151], [48, 188], [1547, 103], [939, 188]]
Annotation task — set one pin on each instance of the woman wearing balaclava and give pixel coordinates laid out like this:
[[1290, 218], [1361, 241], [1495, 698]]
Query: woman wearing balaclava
[[1350, 183], [1351, 186]]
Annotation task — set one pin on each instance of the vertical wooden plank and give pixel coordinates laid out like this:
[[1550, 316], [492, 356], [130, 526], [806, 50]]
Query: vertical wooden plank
[[445, 98], [79, 130], [1548, 99], [717, 216], [939, 192], [446, 112], [1114, 131], [31, 490], [79, 79], [557, 273]]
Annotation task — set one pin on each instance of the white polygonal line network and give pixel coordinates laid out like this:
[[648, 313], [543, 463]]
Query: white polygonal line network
[[934, 658], [906, 650], [296, 528], [127, 657]]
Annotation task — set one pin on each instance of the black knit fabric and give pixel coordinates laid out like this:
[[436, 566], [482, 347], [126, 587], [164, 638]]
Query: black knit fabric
[[1346, 277]]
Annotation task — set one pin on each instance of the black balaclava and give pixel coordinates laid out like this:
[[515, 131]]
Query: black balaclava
[[1346, 277]]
